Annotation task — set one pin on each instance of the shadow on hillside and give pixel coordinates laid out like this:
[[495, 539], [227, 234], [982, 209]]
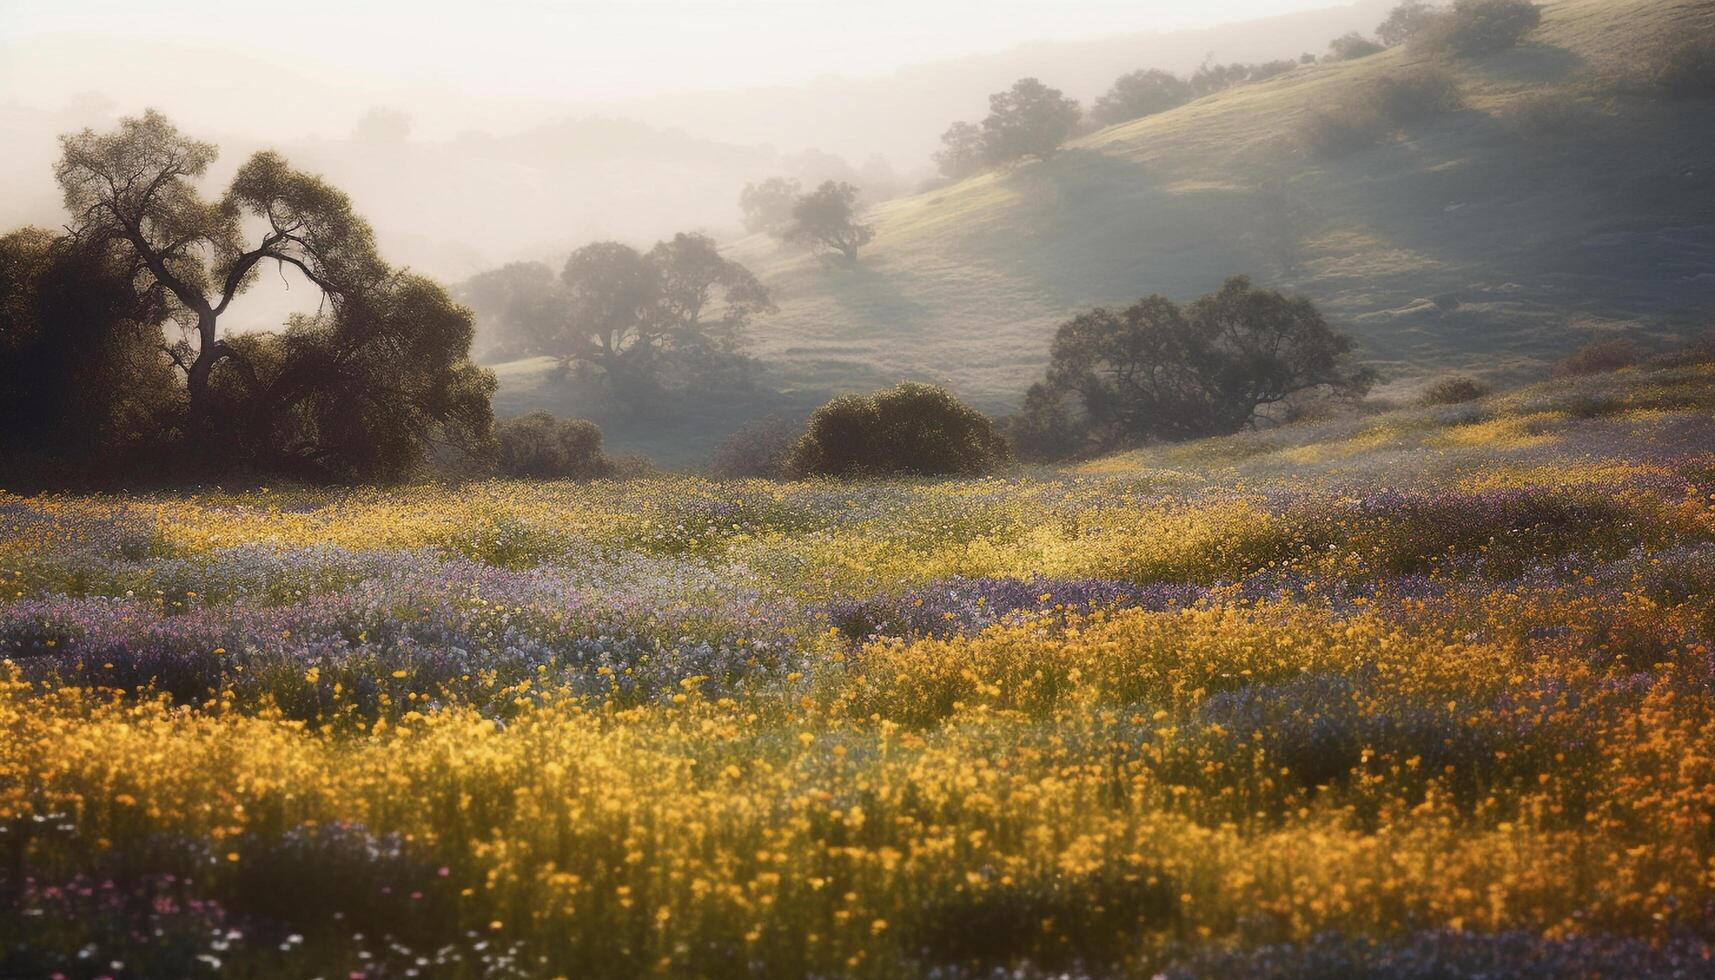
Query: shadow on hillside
[[1090, 220], [1532, 62]]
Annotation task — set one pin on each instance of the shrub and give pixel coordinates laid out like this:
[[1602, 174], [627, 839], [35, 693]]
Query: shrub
[[541, 446], [1602, 356], [1350, 46], [1685, 69], [911, 429], [757, 449], [1474, 28], [1454, 390]]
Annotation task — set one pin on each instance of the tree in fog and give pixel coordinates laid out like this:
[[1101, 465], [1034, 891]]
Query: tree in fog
[[263, 398], [518, 306], [1140, 93], [1350, 46], [827, 218], [964, 151], [767, 206], [1405, 22], [1157, 370], [1028, 120], [638, 318]]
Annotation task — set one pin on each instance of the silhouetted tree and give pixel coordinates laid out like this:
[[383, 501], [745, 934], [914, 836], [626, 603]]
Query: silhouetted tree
[[1157, 370], [963, 150], [134, 186], [767, 206], [365, 389], [368, 391], [85, 387], [1028, 120], [909, 430], [1138, 94], [827, 218], [1405, 22]]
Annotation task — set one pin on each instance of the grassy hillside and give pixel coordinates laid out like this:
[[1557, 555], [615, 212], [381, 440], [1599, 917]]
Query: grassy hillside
[[1560, 202]]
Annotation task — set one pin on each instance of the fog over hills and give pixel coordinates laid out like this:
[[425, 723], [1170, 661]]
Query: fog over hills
[[456, 181]]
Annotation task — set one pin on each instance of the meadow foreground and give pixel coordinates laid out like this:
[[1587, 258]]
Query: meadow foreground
[[1427, 693]]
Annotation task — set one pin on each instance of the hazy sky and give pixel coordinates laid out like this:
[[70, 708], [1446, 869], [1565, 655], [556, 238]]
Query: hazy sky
[[573, 50]]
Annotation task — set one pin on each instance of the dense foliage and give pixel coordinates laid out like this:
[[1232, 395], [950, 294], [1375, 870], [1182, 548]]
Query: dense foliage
[[539, 446], [1475, 28], [1429, 696], [1157, 370], [827, 218], [370, 388], [910, 429]]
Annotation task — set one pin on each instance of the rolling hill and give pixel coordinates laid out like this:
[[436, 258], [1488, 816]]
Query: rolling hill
[[1559, 202]]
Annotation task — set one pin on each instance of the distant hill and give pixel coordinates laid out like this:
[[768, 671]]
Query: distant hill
[[1559, 203]]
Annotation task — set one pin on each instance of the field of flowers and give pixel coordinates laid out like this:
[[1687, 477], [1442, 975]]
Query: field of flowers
[[1422, 694]]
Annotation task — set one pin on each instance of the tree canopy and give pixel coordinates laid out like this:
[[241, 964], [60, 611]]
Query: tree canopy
[[364, 389], [827, 218], [1158, 370], [1028, 120], [767, 205], [641, 319], [1140, 93]]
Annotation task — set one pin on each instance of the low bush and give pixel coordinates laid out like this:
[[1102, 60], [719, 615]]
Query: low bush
[[908, 430], [540, 446], [758, 449], [1454, 390], [1474, 28], [1602, 356], [1351, 46]]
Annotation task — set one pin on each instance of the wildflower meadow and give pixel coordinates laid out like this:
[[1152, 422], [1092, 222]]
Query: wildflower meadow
[[1415, 694]]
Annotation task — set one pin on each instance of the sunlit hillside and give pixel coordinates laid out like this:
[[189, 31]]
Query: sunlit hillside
[[1560, 202]]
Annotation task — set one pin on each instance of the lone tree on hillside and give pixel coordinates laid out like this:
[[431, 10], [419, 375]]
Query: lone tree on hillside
[[361, 390], [767, 206], [1029, 119], [964, 150], [1157, 370], [1138, 94], [1474, 28], [827, 218], [1405, 22], [1352, 45], [633, 315]]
